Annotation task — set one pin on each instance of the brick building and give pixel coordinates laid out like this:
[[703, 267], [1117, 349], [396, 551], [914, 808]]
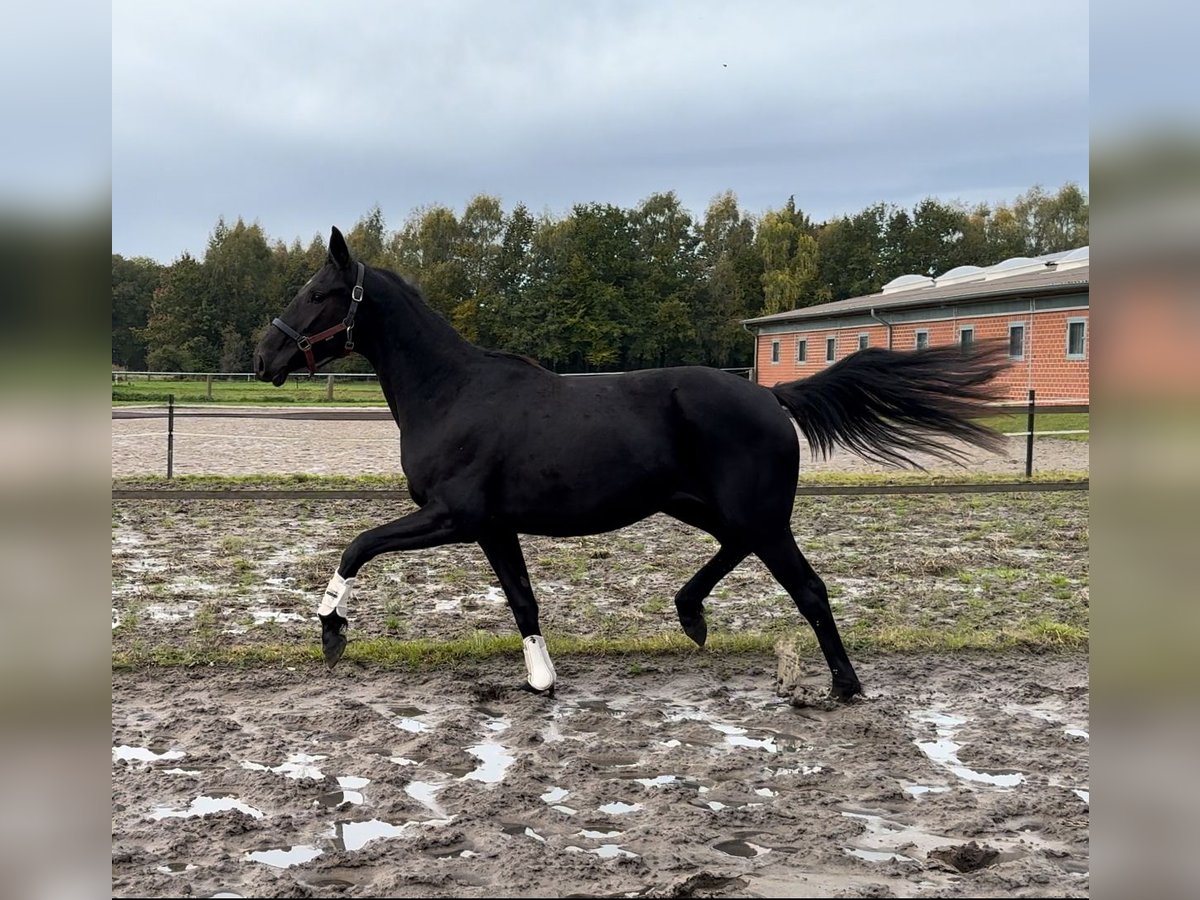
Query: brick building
[[1039, 305]]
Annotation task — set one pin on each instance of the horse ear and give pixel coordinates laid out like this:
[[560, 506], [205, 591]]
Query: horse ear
[[339, 253]]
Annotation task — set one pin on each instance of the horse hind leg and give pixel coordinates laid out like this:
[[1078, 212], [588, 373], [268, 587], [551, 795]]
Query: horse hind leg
[[789, 567], [689, 602]]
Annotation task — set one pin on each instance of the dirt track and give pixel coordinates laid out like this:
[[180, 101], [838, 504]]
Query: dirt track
[[690, 777], [212, 446]]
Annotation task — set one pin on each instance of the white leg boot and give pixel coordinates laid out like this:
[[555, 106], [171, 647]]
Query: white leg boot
[[538, 664]]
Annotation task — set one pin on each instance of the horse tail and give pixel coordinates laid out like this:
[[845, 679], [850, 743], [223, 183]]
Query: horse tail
[[885, 404]]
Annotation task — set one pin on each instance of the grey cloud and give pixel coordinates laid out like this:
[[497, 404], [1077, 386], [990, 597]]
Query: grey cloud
[[297, 116]]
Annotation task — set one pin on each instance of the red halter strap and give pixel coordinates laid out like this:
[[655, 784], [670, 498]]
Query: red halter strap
[[305, 342]]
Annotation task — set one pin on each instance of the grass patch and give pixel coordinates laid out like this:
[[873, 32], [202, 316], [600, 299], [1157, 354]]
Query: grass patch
[[867, 479], [1017, 422], [425, 654], [396, 482], [261, 482], [297, 390]]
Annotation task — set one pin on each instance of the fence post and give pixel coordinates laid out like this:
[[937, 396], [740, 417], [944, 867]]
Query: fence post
[[170, 435], [329, 388], [208, 385], [1029, 438]]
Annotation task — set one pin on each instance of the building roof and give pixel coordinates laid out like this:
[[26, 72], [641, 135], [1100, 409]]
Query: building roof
[[1048, 281]]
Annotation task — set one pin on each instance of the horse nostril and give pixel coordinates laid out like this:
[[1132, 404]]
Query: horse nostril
[[260, 365]]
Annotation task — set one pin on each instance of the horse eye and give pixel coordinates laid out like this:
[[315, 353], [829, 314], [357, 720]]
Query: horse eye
[[316, 297]]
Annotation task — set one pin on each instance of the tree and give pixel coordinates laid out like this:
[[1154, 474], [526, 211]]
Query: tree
[[368, 237], [731, 287], [662, 302], [789, 254], [850, 255], [133, 284], [175, 330]]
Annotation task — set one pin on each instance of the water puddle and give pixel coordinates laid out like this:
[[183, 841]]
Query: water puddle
[[144, 754], [461, 849], [351, 836], [604, 851], [555, 794], [298, 765], [284, 857], [744, 849], [351, 792], [523, 830], [1085, 796], [619, 808], [918, 790], [1077, 732], [599, 835], [175, 868], [659, 781], [878, 855], [944, 751], [600, 706], [425, 793], [494, 762], [263, 615], [169, 612], [205, 805]]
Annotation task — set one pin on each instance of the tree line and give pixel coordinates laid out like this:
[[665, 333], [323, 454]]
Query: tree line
[[602, 288]]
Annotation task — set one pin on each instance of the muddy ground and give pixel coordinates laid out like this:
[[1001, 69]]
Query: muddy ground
[[669, 775], [199, 573], [227, 446], [664, 776]]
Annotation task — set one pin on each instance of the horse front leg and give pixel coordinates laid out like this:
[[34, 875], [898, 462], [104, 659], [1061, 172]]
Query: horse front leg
[[503, 551], [431, 526]]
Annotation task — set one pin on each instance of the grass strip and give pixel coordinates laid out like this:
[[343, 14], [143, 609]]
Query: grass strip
[[393, 482], [396, 654]]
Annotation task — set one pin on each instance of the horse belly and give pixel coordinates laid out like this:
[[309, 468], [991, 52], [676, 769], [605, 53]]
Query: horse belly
[[587, 497]]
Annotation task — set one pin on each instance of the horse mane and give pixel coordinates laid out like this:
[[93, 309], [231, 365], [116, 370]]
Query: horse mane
[[519, 357]]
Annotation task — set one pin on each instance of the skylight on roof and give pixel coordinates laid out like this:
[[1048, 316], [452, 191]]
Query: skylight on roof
[[907, 282]]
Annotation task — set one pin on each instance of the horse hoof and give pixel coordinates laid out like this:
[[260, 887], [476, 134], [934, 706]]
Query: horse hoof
[[530, 689], [333, 637], [846, 693], [695, 628]]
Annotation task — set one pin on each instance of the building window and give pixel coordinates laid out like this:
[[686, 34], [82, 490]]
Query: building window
[[864, 341], [922, 339], [1016, 340], [966, 337], [1076, 338], [802, 350], [830, 349], [774, 351]]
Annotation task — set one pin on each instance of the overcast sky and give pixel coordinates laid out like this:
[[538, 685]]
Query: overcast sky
[[303, 115]]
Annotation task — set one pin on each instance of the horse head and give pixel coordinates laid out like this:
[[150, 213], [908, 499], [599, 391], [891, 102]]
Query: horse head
[[318, 325]]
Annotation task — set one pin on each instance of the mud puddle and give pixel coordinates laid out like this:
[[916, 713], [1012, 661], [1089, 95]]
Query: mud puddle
[[398, 783]]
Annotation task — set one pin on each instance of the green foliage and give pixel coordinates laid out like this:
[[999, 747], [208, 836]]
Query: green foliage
[[601, 288]]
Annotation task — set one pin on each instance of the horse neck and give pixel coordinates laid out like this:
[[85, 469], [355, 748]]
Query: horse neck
[[421, 361]]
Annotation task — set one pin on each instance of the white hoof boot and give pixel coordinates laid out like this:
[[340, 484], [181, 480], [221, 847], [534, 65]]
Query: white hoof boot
[[538, 664], [337, 595]]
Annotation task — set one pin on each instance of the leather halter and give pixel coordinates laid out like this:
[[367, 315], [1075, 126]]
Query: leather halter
[[305, 342]]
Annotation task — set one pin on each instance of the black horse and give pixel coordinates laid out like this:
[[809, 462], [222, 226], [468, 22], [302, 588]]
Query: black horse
[[494, 446]]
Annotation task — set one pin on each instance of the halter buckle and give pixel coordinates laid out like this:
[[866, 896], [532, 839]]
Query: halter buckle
[[304, 344]]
